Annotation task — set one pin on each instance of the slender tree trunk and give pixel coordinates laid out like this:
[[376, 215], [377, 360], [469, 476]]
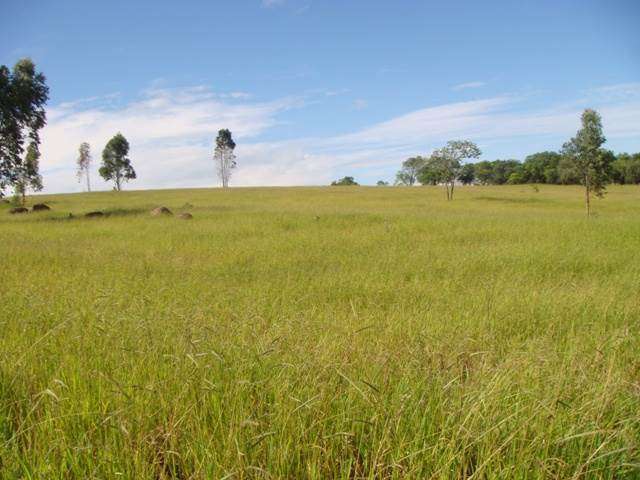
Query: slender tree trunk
[[88, 183], [587, 193], [588, 199], [453, 184], [24, 196]]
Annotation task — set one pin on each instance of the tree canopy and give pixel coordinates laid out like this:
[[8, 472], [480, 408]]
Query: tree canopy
[[116, 166], [590, 162], [344, 181], [23, 95], [445, 163], [408, 174]]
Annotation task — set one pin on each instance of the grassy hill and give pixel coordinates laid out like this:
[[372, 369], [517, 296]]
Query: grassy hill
[[347, 332]]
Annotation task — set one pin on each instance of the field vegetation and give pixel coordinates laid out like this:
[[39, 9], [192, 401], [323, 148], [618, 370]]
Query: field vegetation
[[337, 332]]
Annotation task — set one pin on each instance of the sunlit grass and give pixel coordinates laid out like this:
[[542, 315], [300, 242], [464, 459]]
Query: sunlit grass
[[322, 333]]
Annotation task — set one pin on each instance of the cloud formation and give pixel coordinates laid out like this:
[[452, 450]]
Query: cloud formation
[[171, 132], [463, 86], [272, 3]]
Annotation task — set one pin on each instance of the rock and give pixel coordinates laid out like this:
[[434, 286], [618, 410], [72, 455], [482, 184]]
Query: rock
[[185, 216], [40, 207], [15, 210], [156, 212], [94, 214]]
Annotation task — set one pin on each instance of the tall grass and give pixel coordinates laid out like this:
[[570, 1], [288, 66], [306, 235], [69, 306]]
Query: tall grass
[[322, 333]]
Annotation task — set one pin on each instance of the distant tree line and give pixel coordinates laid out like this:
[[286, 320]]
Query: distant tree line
[[581, 161], [544, 167]]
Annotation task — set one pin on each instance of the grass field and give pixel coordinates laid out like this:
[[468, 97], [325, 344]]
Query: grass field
[[322, 333]]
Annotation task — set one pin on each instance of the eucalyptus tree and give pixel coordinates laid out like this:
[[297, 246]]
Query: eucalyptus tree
[[585, 155], [116, 165], [28, 173], [23, 95], [223, 156], [84, 163]]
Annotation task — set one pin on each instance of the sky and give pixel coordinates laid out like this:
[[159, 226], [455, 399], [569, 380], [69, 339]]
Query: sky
[[314, 90]]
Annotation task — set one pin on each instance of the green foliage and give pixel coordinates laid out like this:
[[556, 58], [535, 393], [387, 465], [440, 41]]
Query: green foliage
[[625, 169], [467, 174], [28, 173], [23, 95], [408, 174], [429, 174], [445, 163], [344, 181], [116, 166], [542, 167], [382, 183], [584, 155], [303, 333], [499, 172]]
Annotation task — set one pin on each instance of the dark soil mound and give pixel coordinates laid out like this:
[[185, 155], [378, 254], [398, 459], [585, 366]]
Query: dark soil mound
[[15, 210], [94, 214], [40, 207]]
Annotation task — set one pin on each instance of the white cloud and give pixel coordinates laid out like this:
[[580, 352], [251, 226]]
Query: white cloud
[[463, 86], [171, 132], [272, 3]]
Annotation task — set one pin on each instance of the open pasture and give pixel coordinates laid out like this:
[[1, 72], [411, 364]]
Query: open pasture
[[345, 332]]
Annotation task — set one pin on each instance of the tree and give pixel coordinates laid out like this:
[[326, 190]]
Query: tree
[[28, 173], [116, 165], [344, 181], [447, 162], [542, 167], [84, 163], [467, 174], [429, 173], [408, 174], [382, 183], [626, 169], [23, 95], [584, 154], [224, 157]]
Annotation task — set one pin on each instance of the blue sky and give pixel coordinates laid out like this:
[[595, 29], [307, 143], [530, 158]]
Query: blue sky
[[314, 90]]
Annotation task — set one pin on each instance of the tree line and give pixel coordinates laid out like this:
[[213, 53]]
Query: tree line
[[546, 167], [23, 96], [581, 161]]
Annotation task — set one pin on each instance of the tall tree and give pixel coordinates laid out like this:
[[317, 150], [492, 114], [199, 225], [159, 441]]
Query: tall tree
[[84, 163], [23, 95], [447, 162], [224, 157], [408, 174], [116, 165], [28, 173], [585, 154]]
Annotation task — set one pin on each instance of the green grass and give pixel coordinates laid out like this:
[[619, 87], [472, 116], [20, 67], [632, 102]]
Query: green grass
[[322, 333]]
